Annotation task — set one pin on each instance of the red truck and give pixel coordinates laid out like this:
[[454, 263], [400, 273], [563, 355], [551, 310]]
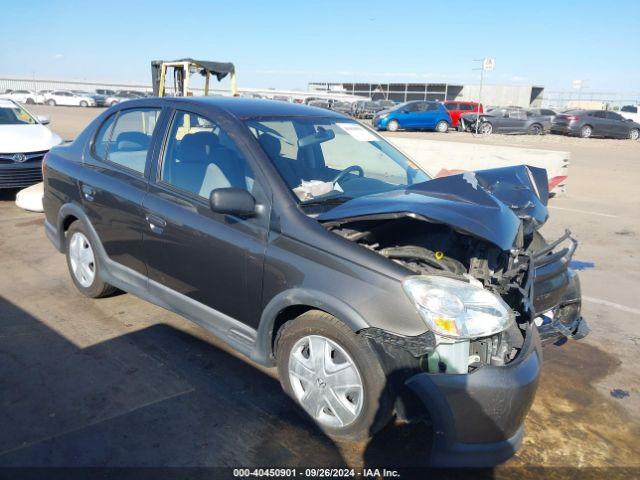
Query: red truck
[[457, 108]]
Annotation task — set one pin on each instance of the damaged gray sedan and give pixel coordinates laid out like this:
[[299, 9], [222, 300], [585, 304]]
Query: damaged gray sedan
[[307, 242]]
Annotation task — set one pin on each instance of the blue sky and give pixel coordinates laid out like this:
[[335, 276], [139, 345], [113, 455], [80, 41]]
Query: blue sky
[[285, 44]]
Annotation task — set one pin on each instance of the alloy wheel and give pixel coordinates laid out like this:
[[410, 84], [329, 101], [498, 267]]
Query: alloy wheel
[[325, 381], [82, 259], [586, 131], [486, 128], [393, 126], [634, 134], [442, 127]]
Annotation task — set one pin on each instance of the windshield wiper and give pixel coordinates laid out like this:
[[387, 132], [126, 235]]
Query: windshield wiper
[[326, 201]]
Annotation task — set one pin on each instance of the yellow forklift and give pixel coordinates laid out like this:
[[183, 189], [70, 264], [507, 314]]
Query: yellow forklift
[[182, 71]]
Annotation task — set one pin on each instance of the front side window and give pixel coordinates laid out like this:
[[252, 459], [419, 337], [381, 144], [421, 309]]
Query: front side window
[[329, 159], [200, 157], [12, 114], [125, 138]]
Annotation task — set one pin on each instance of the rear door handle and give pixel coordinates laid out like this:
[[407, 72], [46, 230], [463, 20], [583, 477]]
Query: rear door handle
[[88, 192], [156, 223]]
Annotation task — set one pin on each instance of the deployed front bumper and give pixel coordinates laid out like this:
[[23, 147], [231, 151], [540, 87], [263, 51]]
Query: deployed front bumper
[[478, 417]]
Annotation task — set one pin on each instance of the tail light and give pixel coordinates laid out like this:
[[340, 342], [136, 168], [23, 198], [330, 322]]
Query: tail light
[[42, 164], [571, 118]]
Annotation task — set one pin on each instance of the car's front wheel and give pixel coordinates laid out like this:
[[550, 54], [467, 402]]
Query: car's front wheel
[[442, 127], [634, 134], [83, 103], [30, 101], [83, 263], [51, 102], [393, 126], [485, 128], [333, 374]]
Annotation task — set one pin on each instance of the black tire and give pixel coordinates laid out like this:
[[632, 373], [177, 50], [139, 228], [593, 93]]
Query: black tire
[[83, 103], [98, 288], [586, 131], [634, 134], [393, 126], [536, 129], [442, 127], [485, 128], [30, 101], [51, 102], [377, 408]]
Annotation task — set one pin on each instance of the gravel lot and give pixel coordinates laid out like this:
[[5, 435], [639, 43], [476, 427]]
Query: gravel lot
[[121, 382]]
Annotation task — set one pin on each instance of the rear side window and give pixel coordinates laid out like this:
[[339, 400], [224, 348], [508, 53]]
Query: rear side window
[[125, 138]]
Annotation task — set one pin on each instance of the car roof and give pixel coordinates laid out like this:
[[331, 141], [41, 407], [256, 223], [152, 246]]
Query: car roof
[[256, 107]]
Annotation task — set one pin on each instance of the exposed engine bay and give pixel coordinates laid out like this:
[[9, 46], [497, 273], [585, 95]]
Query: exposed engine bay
[[532, 278]]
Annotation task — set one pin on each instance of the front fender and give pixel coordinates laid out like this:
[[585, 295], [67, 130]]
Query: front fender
[[263, 352]]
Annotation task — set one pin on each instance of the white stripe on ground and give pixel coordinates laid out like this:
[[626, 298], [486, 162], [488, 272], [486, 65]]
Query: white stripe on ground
[[607, 303], [587, 212]]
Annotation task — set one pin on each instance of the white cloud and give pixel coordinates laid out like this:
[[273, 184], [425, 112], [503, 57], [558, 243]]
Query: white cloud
[[58, 56]]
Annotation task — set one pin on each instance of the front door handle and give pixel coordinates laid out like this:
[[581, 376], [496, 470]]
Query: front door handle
[[88, 192], [156, 223]]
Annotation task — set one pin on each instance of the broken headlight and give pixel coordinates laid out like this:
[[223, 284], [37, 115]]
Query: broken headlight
[[454, 308]]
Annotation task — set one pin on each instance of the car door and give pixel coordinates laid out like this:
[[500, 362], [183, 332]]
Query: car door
[[407, 115], [618, 125], [192, 253], [601, 125], [429, 114], [114, 182], [514, 121]]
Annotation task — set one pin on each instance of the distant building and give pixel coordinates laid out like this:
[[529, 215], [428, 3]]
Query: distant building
[[494, 95]]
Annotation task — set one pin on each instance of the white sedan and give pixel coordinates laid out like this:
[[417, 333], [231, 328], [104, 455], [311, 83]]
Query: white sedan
[[23, 96], [66, 97], [24, 140]]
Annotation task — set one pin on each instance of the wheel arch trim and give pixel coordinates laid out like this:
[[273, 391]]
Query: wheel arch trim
[[300, 297]]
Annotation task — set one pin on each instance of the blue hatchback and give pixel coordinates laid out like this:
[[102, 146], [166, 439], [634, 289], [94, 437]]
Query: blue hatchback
[[417, 115]]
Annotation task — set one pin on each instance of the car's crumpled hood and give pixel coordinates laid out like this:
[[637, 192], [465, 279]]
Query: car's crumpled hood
[[489, 204], [27, 138]]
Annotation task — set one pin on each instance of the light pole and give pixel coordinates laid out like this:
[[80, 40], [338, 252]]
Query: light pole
[[488, 64]]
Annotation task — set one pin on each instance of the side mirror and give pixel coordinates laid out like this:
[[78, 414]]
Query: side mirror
[[232, 201], [43, 119]]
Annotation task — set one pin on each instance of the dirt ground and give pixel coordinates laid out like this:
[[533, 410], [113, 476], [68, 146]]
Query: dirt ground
[[119, 382]]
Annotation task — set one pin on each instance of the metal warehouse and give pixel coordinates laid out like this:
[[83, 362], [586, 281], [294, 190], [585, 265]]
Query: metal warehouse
[[516, 95]]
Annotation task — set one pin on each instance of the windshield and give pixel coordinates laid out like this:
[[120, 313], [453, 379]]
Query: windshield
[[324, 160], [12, 114]]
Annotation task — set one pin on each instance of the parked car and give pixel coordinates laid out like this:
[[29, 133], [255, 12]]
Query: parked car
[[545, 113], [69, 98], [457, 108], [631, 112], [41, 95], [98, 98], [121, 96], [105, 91], [416, 115], [307, 242], [23, 96], [24, 140], [595, 123], [368, 109], [507, 120], [341, 107]]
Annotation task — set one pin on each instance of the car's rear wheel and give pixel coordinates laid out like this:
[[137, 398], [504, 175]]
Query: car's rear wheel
[[535, 129], [442, 126], [83, 263], [333, 374], [30, 101], [83, 103], [634, 134], [393, 126], [485, 128], [51, 102], [586, 131]]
